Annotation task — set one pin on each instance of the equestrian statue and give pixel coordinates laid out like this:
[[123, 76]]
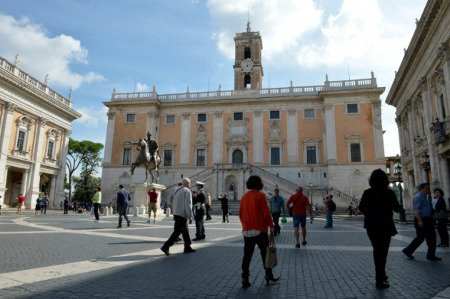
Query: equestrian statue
[[148, 156]]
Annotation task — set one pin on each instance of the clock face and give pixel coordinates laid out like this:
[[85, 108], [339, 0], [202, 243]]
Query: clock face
[[247, 65]]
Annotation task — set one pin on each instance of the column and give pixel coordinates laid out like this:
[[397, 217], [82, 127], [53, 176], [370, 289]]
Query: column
[[7, 122], [258, 136], [52, 199], [330, 131], [292, 136], [443, 161], [444, 52], [59, 179], [24, 187], [37, 158], [378, 131], [185, 138], [109, 138], [218, 137]]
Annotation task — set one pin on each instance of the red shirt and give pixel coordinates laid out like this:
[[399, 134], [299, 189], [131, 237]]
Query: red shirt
[[301, 202], [153, 196], [254, 212], [21, 199]]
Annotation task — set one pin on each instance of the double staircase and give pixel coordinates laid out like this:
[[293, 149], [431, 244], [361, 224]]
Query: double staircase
[[271, 181]]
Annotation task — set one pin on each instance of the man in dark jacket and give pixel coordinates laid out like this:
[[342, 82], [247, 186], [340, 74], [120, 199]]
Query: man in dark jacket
[[123, 197]]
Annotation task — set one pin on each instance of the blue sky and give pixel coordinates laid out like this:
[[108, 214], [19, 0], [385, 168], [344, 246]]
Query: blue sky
[[92, 46]]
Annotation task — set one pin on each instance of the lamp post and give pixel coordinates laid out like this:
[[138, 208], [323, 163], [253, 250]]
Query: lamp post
[[398, 172]]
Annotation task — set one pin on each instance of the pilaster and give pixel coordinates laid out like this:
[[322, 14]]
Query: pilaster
[[59, 180], [218, 137], [258, 136], [330, 132], [292, 136], [185, 138], [378, 131], [4, 140], [109, 137], [37, 158]]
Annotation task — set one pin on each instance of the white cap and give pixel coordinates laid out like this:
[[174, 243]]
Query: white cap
[[198, 183]]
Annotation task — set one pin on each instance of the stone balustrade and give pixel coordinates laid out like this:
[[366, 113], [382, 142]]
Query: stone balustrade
[[244, 94], [28, 80]]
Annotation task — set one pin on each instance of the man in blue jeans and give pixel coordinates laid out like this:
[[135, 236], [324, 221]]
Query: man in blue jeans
[[424, 225], [331, 207]]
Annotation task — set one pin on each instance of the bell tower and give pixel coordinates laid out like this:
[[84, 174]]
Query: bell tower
[[248, 70]]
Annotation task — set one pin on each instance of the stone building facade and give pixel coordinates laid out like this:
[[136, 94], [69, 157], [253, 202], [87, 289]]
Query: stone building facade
[[327, 138], [421, 94], [35, 125]]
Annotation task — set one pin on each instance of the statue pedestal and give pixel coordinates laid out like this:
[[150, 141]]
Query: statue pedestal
[[140, 197]]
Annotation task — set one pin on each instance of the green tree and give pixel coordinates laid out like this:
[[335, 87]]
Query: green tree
[[85, 154], [85, 187]]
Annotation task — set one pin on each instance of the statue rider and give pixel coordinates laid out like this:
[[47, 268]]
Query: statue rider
[[153, 147]]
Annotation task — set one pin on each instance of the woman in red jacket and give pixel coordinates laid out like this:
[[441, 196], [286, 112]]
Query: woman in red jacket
[[256, 221]]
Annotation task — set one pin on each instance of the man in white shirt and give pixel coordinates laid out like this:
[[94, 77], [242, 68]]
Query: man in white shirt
[[181, 205]]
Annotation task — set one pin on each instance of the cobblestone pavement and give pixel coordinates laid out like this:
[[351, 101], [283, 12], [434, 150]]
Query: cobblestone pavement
[[71, 256]]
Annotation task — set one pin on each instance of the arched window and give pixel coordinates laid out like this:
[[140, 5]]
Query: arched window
[[247, 81], [237, 157], [247, 53]]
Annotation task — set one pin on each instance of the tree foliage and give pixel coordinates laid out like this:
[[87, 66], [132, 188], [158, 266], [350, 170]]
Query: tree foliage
[[85, 188], [84, 154]]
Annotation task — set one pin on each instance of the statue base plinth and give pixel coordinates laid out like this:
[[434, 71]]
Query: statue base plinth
[[140, 197]]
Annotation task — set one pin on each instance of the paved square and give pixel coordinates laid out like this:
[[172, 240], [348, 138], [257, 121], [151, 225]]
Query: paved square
[[71, 256]]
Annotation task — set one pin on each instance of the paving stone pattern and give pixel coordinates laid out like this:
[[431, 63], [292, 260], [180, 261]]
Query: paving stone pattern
[[336, 263]]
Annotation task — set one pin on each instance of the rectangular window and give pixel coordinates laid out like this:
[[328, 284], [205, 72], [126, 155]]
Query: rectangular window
[[167, 158], [201, 117], [170, 119], [50, 150], [238, 116], [201, 157], [275, 114], [21, 141], [311, 155], [275, 156], [126, 156], [444, 114], [352, 108], [355, 152], [131, 117], [309, 113]]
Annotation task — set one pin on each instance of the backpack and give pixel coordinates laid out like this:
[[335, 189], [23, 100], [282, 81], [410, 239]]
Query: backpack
[[332, 206]]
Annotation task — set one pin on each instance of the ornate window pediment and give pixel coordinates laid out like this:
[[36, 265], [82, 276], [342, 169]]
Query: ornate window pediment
[[237, 132], [275, 134], [21, 150]]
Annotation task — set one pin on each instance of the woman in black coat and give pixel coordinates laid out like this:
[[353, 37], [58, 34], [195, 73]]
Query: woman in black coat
[[377, 204], [441, 215]]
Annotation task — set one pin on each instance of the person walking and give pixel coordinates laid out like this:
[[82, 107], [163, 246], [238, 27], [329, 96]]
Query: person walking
[[20, 201], [424, 225], [44, 204], [181, 205], [66, 205], [97, 201], [257, 227], [441, 216], [200, 211], [276, 205], [38, 205], [123, 197], [299, 203], [1, 203], [208, 207], [377, 205], [224, 205], [152, 204], [331, 207]]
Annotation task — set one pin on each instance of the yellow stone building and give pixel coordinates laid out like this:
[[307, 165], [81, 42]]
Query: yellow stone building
[[35, 125], [327, 138]]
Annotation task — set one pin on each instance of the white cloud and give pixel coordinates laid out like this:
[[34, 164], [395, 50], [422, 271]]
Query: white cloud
[[40, 54], [92, 117], [141, 87], [281, 23]]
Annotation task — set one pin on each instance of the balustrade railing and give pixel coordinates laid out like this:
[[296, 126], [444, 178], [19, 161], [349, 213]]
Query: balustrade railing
[[31, 82], [252, 93]]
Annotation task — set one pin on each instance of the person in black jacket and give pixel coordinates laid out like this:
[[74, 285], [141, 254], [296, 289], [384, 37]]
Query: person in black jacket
[[441, 215], [200, 211], [377, 204], [224, 204], [123, 197]]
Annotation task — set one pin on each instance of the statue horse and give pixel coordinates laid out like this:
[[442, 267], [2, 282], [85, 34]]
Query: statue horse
[[144, 159]]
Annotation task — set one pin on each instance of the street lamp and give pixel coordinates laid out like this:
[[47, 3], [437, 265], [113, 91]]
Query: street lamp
[[398, 172]]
